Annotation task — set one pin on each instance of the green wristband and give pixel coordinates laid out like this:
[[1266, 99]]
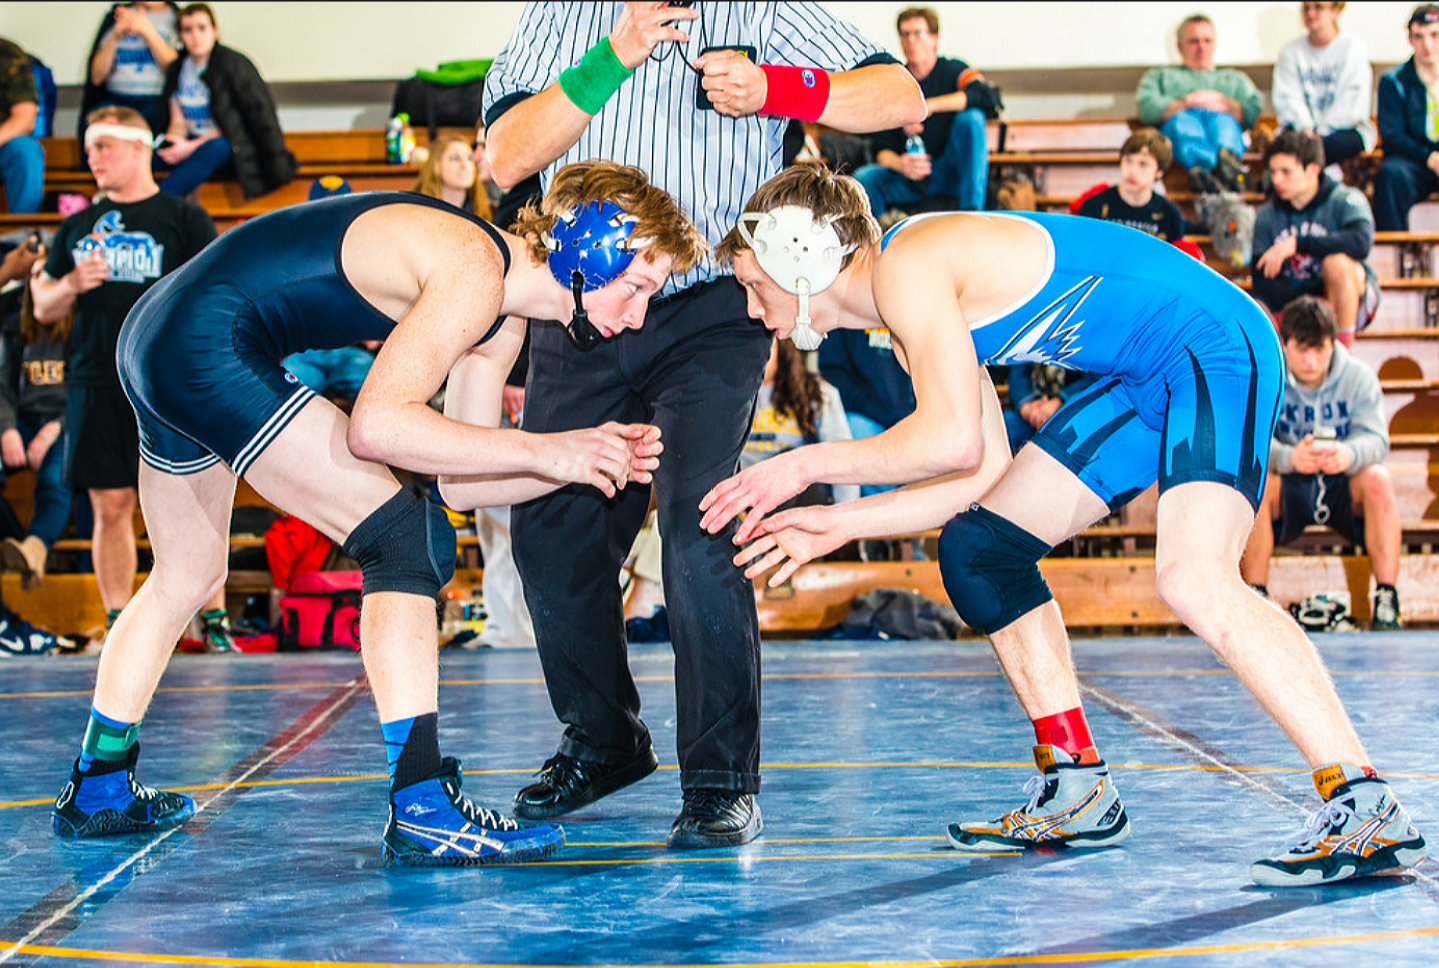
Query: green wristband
[[595, 79]]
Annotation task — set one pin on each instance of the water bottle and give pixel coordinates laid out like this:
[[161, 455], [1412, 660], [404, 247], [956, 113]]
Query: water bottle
[[407, 140], [394, 135], [914, 145]]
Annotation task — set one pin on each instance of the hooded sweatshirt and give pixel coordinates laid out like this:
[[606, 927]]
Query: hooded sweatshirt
[[1337, 219], [1349, 400]]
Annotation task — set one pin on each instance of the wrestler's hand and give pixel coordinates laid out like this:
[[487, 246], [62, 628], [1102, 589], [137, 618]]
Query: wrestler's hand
[[790, 539], [757, 490], [599, 456], [735, 84], [644, 26], [645, 449]]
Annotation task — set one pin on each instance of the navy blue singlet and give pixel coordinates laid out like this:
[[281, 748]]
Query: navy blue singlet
[[200, 354]]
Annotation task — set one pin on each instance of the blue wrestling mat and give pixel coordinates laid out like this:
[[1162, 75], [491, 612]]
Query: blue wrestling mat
[[870, 749]]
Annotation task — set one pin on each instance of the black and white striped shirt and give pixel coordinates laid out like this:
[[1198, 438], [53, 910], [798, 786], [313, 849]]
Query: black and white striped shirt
[[710, 162]]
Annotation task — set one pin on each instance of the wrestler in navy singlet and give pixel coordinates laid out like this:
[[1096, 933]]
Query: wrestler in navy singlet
[[1192, 372], [200, 355]]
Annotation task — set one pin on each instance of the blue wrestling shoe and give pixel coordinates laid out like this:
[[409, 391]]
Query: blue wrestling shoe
[[433, 825], [1361, 830], [106, 804], [1070, 805]]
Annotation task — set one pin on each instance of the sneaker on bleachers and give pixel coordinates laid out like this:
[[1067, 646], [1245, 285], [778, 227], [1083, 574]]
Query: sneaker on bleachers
[[1386, 610], [1230, 171], [19, 637]]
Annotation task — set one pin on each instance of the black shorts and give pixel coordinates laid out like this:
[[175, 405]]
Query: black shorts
[[102, 439], [1302, 502]]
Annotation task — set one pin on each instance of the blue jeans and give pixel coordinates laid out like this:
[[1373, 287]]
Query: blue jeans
[[1400, 185], [1197, 136], [336, 372], [53, 494], [960, 171], [22, 166], [191, 173]]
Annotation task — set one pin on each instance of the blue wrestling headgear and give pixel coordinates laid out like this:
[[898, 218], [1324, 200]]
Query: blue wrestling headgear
[[590, 247]]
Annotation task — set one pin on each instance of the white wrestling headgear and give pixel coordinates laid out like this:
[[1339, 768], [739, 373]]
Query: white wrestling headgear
[[801, 254]]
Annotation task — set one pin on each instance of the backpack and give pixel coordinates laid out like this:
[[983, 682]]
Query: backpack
[[451, 96], [321, 610]]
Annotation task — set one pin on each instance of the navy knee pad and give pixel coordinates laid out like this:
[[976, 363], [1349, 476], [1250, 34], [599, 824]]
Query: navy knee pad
[[990, 569], [406, 545]]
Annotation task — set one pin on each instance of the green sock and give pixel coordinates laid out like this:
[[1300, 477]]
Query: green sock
[[107, 744], [110, 616]]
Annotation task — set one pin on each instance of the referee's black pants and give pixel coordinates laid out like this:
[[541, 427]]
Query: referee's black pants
[[692, 370]]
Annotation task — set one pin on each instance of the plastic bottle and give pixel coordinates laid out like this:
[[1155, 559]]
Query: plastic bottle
[[394, 133], [914, 145], [407, 140]]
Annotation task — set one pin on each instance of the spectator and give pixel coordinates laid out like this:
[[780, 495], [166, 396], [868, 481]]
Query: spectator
[[1143, 160], [1204, 112], [221, 115], [136, 44], [1326, 461], [1036, 391], [1323, 83], [32, 418], [1410, 170], [451, 172], [22, 159], [104, 258], [953, 170], [1314, 237]]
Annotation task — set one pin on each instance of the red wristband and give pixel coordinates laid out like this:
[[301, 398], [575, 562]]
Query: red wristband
[[795, 92]]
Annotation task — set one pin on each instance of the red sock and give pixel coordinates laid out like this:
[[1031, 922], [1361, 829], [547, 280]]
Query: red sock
[[1067, 730]]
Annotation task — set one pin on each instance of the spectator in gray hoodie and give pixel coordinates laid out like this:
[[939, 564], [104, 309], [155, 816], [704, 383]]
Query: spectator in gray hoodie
[[1314, 237], [1326, 461]]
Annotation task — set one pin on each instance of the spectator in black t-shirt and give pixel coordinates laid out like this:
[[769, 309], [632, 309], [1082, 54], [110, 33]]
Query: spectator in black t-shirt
[[952, 172], [1143, 160], [103, 260]]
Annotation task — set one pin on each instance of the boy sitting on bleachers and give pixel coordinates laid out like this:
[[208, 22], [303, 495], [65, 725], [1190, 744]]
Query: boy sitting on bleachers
[[1326, 461], [1143, 160]]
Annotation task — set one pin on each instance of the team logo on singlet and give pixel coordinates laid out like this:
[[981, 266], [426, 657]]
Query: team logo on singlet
[[1052, 336], [131, 256]]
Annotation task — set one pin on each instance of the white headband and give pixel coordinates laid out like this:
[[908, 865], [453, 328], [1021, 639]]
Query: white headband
[[120, 132]]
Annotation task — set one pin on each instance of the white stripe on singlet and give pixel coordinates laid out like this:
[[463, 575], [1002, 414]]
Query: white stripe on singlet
[[710, 162]]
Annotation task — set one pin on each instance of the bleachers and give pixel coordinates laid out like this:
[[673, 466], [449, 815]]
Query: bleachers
[[1107, 580]]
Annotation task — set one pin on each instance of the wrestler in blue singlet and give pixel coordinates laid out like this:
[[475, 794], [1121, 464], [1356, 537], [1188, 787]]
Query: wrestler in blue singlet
[[1192, 368], [200, 353]]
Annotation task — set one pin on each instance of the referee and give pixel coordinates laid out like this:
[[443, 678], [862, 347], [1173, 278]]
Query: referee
[[699, 96]]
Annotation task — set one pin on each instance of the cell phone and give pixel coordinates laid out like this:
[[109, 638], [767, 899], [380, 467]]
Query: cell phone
[[33, 242], [1324, 438], [702, 98]]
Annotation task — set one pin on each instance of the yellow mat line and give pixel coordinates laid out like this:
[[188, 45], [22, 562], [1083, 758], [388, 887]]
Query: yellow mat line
[[1049, 959]]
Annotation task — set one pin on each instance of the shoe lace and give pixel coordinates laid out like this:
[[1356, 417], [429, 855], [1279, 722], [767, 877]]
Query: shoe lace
[[707, 803], [1334, 814], [476, 814], [561, 772], [1034, 789]]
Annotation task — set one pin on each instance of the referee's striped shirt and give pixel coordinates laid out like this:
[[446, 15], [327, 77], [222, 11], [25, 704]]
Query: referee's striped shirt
[[710, 162]]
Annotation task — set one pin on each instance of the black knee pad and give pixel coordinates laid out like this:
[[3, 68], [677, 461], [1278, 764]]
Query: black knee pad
[[990, 569], [406, 545]]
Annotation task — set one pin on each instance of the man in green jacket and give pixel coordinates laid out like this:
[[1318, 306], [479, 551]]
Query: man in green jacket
[[1204, 112]]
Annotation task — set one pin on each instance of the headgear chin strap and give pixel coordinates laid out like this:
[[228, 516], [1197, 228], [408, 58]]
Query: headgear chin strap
[[801, 254], [590, 247]]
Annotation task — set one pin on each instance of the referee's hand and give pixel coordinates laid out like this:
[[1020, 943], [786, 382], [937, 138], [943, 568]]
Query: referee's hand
[[735, 84], [644, 26]]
